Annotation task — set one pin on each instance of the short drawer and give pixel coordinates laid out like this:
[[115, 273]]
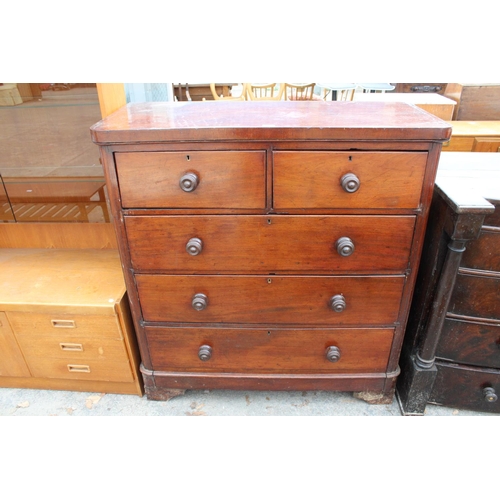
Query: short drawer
[[65, 325], [271, 299], [484, 253], [269, 350], [192, 179], [256, 244], [376, 179], [81, 358], [470, 343], [476, 296], [467, 388]]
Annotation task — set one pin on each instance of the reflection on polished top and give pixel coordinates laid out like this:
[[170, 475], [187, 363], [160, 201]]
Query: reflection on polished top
[[276, 120]]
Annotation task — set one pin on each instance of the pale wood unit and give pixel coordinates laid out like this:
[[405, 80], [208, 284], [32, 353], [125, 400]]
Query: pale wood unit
[[472, 136], [65, 322]]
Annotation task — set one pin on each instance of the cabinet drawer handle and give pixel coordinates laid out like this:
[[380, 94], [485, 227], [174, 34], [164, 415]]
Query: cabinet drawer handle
[[333, 353], [344, 246], [194, 246], [189, 182], [63, 323], [199, 301], [79, 368], [71, 347], [490, 395], [350, 183], [205, 352], [337, 303]]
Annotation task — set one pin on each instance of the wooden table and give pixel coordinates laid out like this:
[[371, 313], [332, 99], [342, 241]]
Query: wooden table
[[436, 104], [450, 355], [55, 199]]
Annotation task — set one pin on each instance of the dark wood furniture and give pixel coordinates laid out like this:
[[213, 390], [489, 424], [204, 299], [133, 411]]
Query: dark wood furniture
[[270, 245], [438, 88], [451, 354], [200, 91]]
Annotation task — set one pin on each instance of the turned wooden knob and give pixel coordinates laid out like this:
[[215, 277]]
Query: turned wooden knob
[[349, 183], [337, 303], [194, 246], [490, 394], [199, 301], [205, 352], [344, 246], [189, 182], [332, 353]]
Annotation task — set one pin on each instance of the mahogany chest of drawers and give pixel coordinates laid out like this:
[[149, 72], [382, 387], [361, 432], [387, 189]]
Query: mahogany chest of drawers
[[451, 354], [270, 245]]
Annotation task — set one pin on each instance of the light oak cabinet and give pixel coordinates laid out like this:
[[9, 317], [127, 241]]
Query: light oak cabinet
[[65, 322]]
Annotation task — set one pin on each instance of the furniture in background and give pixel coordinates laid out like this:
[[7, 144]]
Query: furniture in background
[[472, 136], [65, 322], [55, 199], [435, 104], [274, 246], [475, 101], [437, 88], [298, 92], [375, 87], [337, 91], [451, 354], [221, 97], [264, 92], [200, 91]]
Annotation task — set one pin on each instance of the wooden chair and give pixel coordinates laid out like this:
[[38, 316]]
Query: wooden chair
[[294, 92], [228, 98], [264, 92], [345, 94]]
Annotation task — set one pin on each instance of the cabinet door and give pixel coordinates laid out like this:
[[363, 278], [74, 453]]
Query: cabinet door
[[12, 362]]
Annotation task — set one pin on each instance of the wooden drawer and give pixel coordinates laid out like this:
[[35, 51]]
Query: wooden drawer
[[476, 296], [271, 299], [463, 387], [226, 179], [484, 253], [269, 350], [256, 244], [65, 325], [313, 179], [116, 370], [470, 343]]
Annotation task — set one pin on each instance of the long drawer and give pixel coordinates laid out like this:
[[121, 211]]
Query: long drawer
[[65, 325], [467, 387], [314, 179], [269, 350], [211, 179], [484, 253], [271, 299], [468, 342], [476, 296], [256, 244]]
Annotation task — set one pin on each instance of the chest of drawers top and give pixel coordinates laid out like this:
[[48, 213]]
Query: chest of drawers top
[[268, 121]]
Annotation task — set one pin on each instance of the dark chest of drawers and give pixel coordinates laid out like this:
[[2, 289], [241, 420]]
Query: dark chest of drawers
[[451, 355], [270, 245]]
